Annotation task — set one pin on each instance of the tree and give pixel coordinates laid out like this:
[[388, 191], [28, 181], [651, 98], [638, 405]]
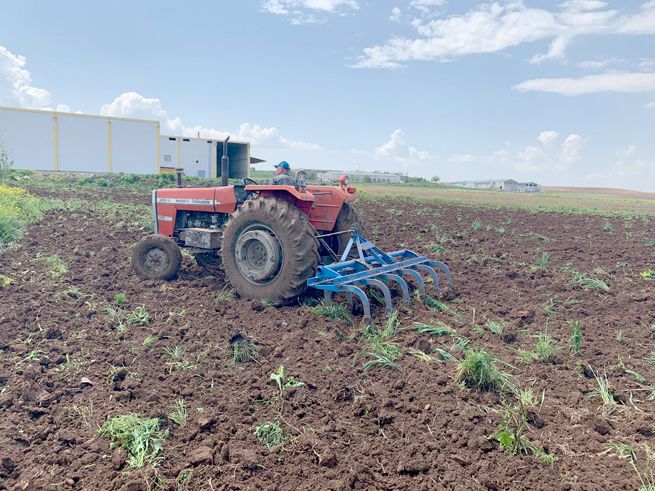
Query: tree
[[435, 179], [5, 162]]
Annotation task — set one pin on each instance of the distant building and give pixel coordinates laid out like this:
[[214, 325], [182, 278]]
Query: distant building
[[509, 185], [372, 177], [71, 142]]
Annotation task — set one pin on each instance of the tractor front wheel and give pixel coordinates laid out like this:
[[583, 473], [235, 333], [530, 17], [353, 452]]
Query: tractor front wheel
[[156, 258], [269, 250]]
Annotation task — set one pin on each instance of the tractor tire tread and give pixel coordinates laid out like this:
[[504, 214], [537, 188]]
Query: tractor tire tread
[[164, 243], [297, 237]]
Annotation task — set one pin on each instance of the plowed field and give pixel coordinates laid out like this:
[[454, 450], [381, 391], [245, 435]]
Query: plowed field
[[77, 348]]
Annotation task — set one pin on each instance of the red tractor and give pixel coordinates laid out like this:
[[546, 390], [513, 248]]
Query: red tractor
[[268, 239]]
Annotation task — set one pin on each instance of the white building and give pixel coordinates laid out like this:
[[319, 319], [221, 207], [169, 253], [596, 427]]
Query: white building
[[373, 177], [52, 140], [509, 185]]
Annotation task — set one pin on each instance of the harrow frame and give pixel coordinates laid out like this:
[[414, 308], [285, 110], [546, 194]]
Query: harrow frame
[[374, 268]]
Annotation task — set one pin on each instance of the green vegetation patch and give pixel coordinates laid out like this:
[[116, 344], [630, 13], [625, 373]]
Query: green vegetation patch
[[142, 438]]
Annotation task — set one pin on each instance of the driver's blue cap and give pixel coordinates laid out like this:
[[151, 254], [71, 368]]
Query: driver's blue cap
[[284, 164]]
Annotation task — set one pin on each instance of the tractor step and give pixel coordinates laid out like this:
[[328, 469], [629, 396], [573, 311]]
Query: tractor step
[[375, 268]]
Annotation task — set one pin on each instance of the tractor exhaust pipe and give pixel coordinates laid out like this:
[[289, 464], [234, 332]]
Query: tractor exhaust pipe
[[225, 163], [178, 177]]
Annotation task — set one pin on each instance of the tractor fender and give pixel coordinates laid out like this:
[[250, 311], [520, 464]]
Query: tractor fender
[[302, 200]]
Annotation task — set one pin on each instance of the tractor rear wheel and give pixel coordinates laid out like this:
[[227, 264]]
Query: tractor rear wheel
[[269, 250], [156, 258], [348, 218]]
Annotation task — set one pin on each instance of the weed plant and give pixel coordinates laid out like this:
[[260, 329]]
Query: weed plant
[[142, 438], [334, 311], [271, 434], [585, 282], [284, 381], [243, 349], [478, 370], [55, 265], [178, 414], [576, 337]]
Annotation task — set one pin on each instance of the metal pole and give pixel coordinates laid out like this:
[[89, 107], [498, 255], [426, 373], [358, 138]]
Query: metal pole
[[225, 164]]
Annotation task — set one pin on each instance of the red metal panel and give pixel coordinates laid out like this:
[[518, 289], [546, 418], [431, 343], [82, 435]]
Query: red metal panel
[[170, 201]]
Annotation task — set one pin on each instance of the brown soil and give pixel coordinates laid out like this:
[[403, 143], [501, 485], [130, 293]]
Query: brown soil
[[383, 429]]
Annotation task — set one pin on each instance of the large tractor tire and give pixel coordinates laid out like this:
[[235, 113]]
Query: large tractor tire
[[269, 250], [156, 258], [347, 219]]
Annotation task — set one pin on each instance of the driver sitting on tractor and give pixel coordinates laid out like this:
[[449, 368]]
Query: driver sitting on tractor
[[282, 176]]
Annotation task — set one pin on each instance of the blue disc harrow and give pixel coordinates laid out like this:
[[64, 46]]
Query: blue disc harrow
[[377, 269]]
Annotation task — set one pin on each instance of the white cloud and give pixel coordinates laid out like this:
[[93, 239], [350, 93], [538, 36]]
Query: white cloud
[[395, 14], [305, 11], [650, 105], [547, 137], [461, 158], [134, 105], [397, 148], [16, 87], [597, 64], [426, 6], [629, 171], [494, 27], [544, 157], [606, 82]]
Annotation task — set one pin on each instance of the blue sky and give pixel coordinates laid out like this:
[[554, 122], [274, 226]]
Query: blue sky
[[556, 92]]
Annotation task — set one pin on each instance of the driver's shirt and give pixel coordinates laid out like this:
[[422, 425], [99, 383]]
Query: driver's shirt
[[283, 180]]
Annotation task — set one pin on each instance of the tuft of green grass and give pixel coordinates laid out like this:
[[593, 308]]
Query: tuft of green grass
[[178, 362], [542, 263], [648, 274], [438, 330], [149, 341], [138, 317], [545, 350], [438, 305], [120, 298], [619, 336], [142, 438], [608, 227], [495, 327], [243, 349], [178, 414], [379, 340], [334, 311], [5, 281], [576, 337], [477, 225], [421, 356], [271, 434], [478, 370], [34, 355], [585, 282], [379, 360], [545, 347], [56, 266], [225, 295], [604, 391]]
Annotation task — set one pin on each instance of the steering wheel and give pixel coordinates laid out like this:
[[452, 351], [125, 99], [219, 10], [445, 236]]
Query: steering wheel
[[247, 180]]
